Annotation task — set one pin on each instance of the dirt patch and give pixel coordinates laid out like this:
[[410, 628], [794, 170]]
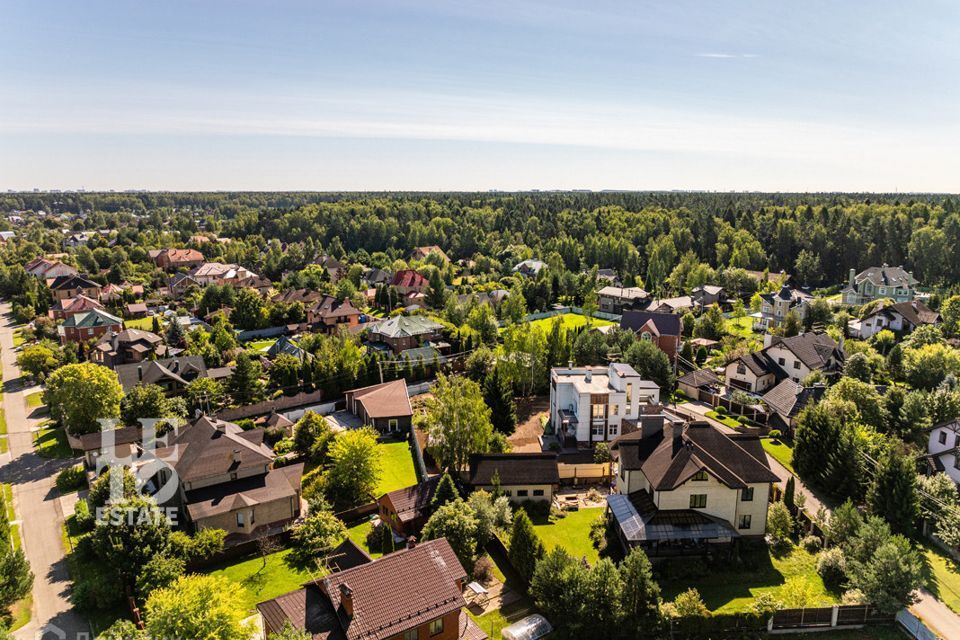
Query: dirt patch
[[528, 432]]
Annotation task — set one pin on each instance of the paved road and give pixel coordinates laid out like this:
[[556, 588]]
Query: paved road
[[38, 507]]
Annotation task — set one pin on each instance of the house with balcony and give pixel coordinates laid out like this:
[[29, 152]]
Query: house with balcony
[[412, 594], [884, 281], [792, 358], [685, 486], [597, 404], [615, 299], [774, 307]]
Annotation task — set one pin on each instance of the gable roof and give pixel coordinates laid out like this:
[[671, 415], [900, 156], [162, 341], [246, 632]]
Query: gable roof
[[408, 278], [760, 364], [667, 324], [386, 400], [74, 281], [624, 293], [813, 349], [734, 460], [422, 252], [181, 255], [913, 311], [212, 447], [405, 326], [514, 468], [700, 378], [413, 501], [154, 371], [77, 304], [886, 276], [91, 319], [225, 497], [789, 398], [331, 307]]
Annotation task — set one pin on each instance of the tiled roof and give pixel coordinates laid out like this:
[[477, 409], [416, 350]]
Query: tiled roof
[[666, 324], [212, 447], [405, 326], [72, 282], [813, 349], [92, 318], [408, 278], [514, 468], [789, 398], [411, 502], [386, 400], [913, 311], [760, 364], [700, 378], [154, 371], [886, 276], [276, 484], [331, 307]]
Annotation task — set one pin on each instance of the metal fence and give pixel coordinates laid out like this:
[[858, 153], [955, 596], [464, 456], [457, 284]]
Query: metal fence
[[827, 617], [915, 627]]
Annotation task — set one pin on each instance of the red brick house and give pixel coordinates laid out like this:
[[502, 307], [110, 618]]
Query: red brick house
[[328, 314], [168, 259], [663, 329], [81, 327], [407, 510], [63, 309], [409, 281]]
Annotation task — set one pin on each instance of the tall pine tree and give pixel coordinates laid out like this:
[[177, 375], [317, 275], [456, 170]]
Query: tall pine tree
[[498, 394], [893, 492]]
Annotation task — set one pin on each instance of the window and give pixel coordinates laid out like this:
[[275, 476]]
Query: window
[[956, 440], [796, 364], [781, 361], [508, 493], [537, 493], [597, 429], [943, 437], [616, 409], [747, 495], [436, 626], [612, 430], [410, 634], [700, 475], [741, 369], [745, 522], [698, 501], [629, 395], [392, 424], [598, 411], [521, 493], [646, 337], [240, 518]]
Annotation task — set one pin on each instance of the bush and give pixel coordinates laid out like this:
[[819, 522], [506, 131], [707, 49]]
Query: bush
[[536, 509], [721, 410], [71, 479], [775, 434], [832, 567], [811, 543], [483, 570], [82, 516]]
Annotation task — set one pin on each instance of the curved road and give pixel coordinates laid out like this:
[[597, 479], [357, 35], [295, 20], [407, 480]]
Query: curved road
[[37, 503]]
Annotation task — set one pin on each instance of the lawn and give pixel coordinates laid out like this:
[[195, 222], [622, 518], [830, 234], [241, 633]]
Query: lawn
[[145, 324], [728, 421], [398, 471], [358, 533], [34, 400], [18, 338], [492, 622], [781, 451], [259, 345], [943, 577], [740, 327], [52, 443], [570, 321], [731, 589], [572, 532], [263, 582]]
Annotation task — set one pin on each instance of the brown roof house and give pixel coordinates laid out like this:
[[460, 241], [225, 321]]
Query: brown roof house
[[900, 317], [684, 486], [413, 594], [63, 309], [405, 332], [794, 358], [662, 329], [173, 374], [130, 345], [328, 313], [227, 480], [422, 253], [407, 510], [520, 476], [169, 259], [71, 286], [385, 406]]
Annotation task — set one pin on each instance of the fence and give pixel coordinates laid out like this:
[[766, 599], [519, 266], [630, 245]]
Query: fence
[[827, 618], [752, 413], [265, 407], [584, 472], [915, 627]]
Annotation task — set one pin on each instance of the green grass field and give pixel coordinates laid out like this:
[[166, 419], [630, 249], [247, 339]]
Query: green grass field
[[263, 582], [572, 532], [145, 324], [358, 533], [570, 321], [34, 400], [728, 421], [398, 471], [4, 445], [52, 443], [730, 590], [943, 577], [741, 327], [259, 345], [18, 337], [780, 450]]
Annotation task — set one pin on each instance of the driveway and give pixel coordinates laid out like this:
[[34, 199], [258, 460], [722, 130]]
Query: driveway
[[38, 508]]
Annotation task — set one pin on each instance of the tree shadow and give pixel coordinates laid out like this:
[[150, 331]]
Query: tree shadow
[[719, 580]]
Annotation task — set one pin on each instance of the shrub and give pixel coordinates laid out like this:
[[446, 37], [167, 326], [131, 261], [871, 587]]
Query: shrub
[[775, 434], [71, 479], [832, 567], [722, 410], [811, 543], [483, 570], [765, 604], [82, 517]]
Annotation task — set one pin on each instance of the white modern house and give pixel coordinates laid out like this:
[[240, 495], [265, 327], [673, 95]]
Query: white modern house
[[943, 449], [591, 404]]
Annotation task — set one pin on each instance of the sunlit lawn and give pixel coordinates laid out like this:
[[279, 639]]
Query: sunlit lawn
[[728, 421], [263, 582], [145, 324], [730, 589], [18, 337], [943, 577], [52, 443], [34, 400], [569, 321], [780, 450], [572, 532], [358, 533], [397, 469], [742, 327], [260, 345]]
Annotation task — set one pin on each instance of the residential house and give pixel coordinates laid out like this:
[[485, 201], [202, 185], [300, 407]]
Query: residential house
[[421, 253], [943, 449], [900, 317], [181, 283], [170, 259], [412, 594], [286, 345], [404, 332], [879, 282], [219, 273], [662, 329], [306, 296], [71, 286], [597, 404], [520, 476], [684, 486], [385, 406], [699, 381], [678, 305], [335, 269], [329, 314], [128, 346], [81, 327], [705, 295], [63, 309], [135, 310], [615, 299], [407, 281], [172, 374], [375, 277], [795, 358], [774, 307], [262, 285], [609, 276], [227, 480], [786, 400], [120, 443], [407, 510], [530, 268], [45, 269]]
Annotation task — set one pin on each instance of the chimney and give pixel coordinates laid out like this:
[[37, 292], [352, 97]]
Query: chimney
[[175, 366], [651, 425], [346, 598], [236, 455], [589, 376], [677, 438], [411, 542]]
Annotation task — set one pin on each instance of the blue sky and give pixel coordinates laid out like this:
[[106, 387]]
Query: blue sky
[[499, 94]]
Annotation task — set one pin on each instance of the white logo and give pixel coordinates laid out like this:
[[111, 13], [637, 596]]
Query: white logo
[[151, 463]]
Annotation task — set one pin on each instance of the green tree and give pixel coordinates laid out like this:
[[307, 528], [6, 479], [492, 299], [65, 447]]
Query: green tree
[[779, 523], [16, 579], [457, 523], [857, 367], [205, 395], [525, 549], [199, 606], [246, 385], [950, 314], [37, 360], [121, 630], [249, 310], [926, 366], [651, 363], [315, 537], [312, 436], [890, 578], [457, 422], [689, 604], [146, 401], [844, 524], [445, 492], [159, 572], [437, 293], [355, 467], [80, 394], [289, 632], [866, 398], [710, 325], [498, 394], [640, 596], [807, 267], [558, 588], [604, 584], [893, 492]]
